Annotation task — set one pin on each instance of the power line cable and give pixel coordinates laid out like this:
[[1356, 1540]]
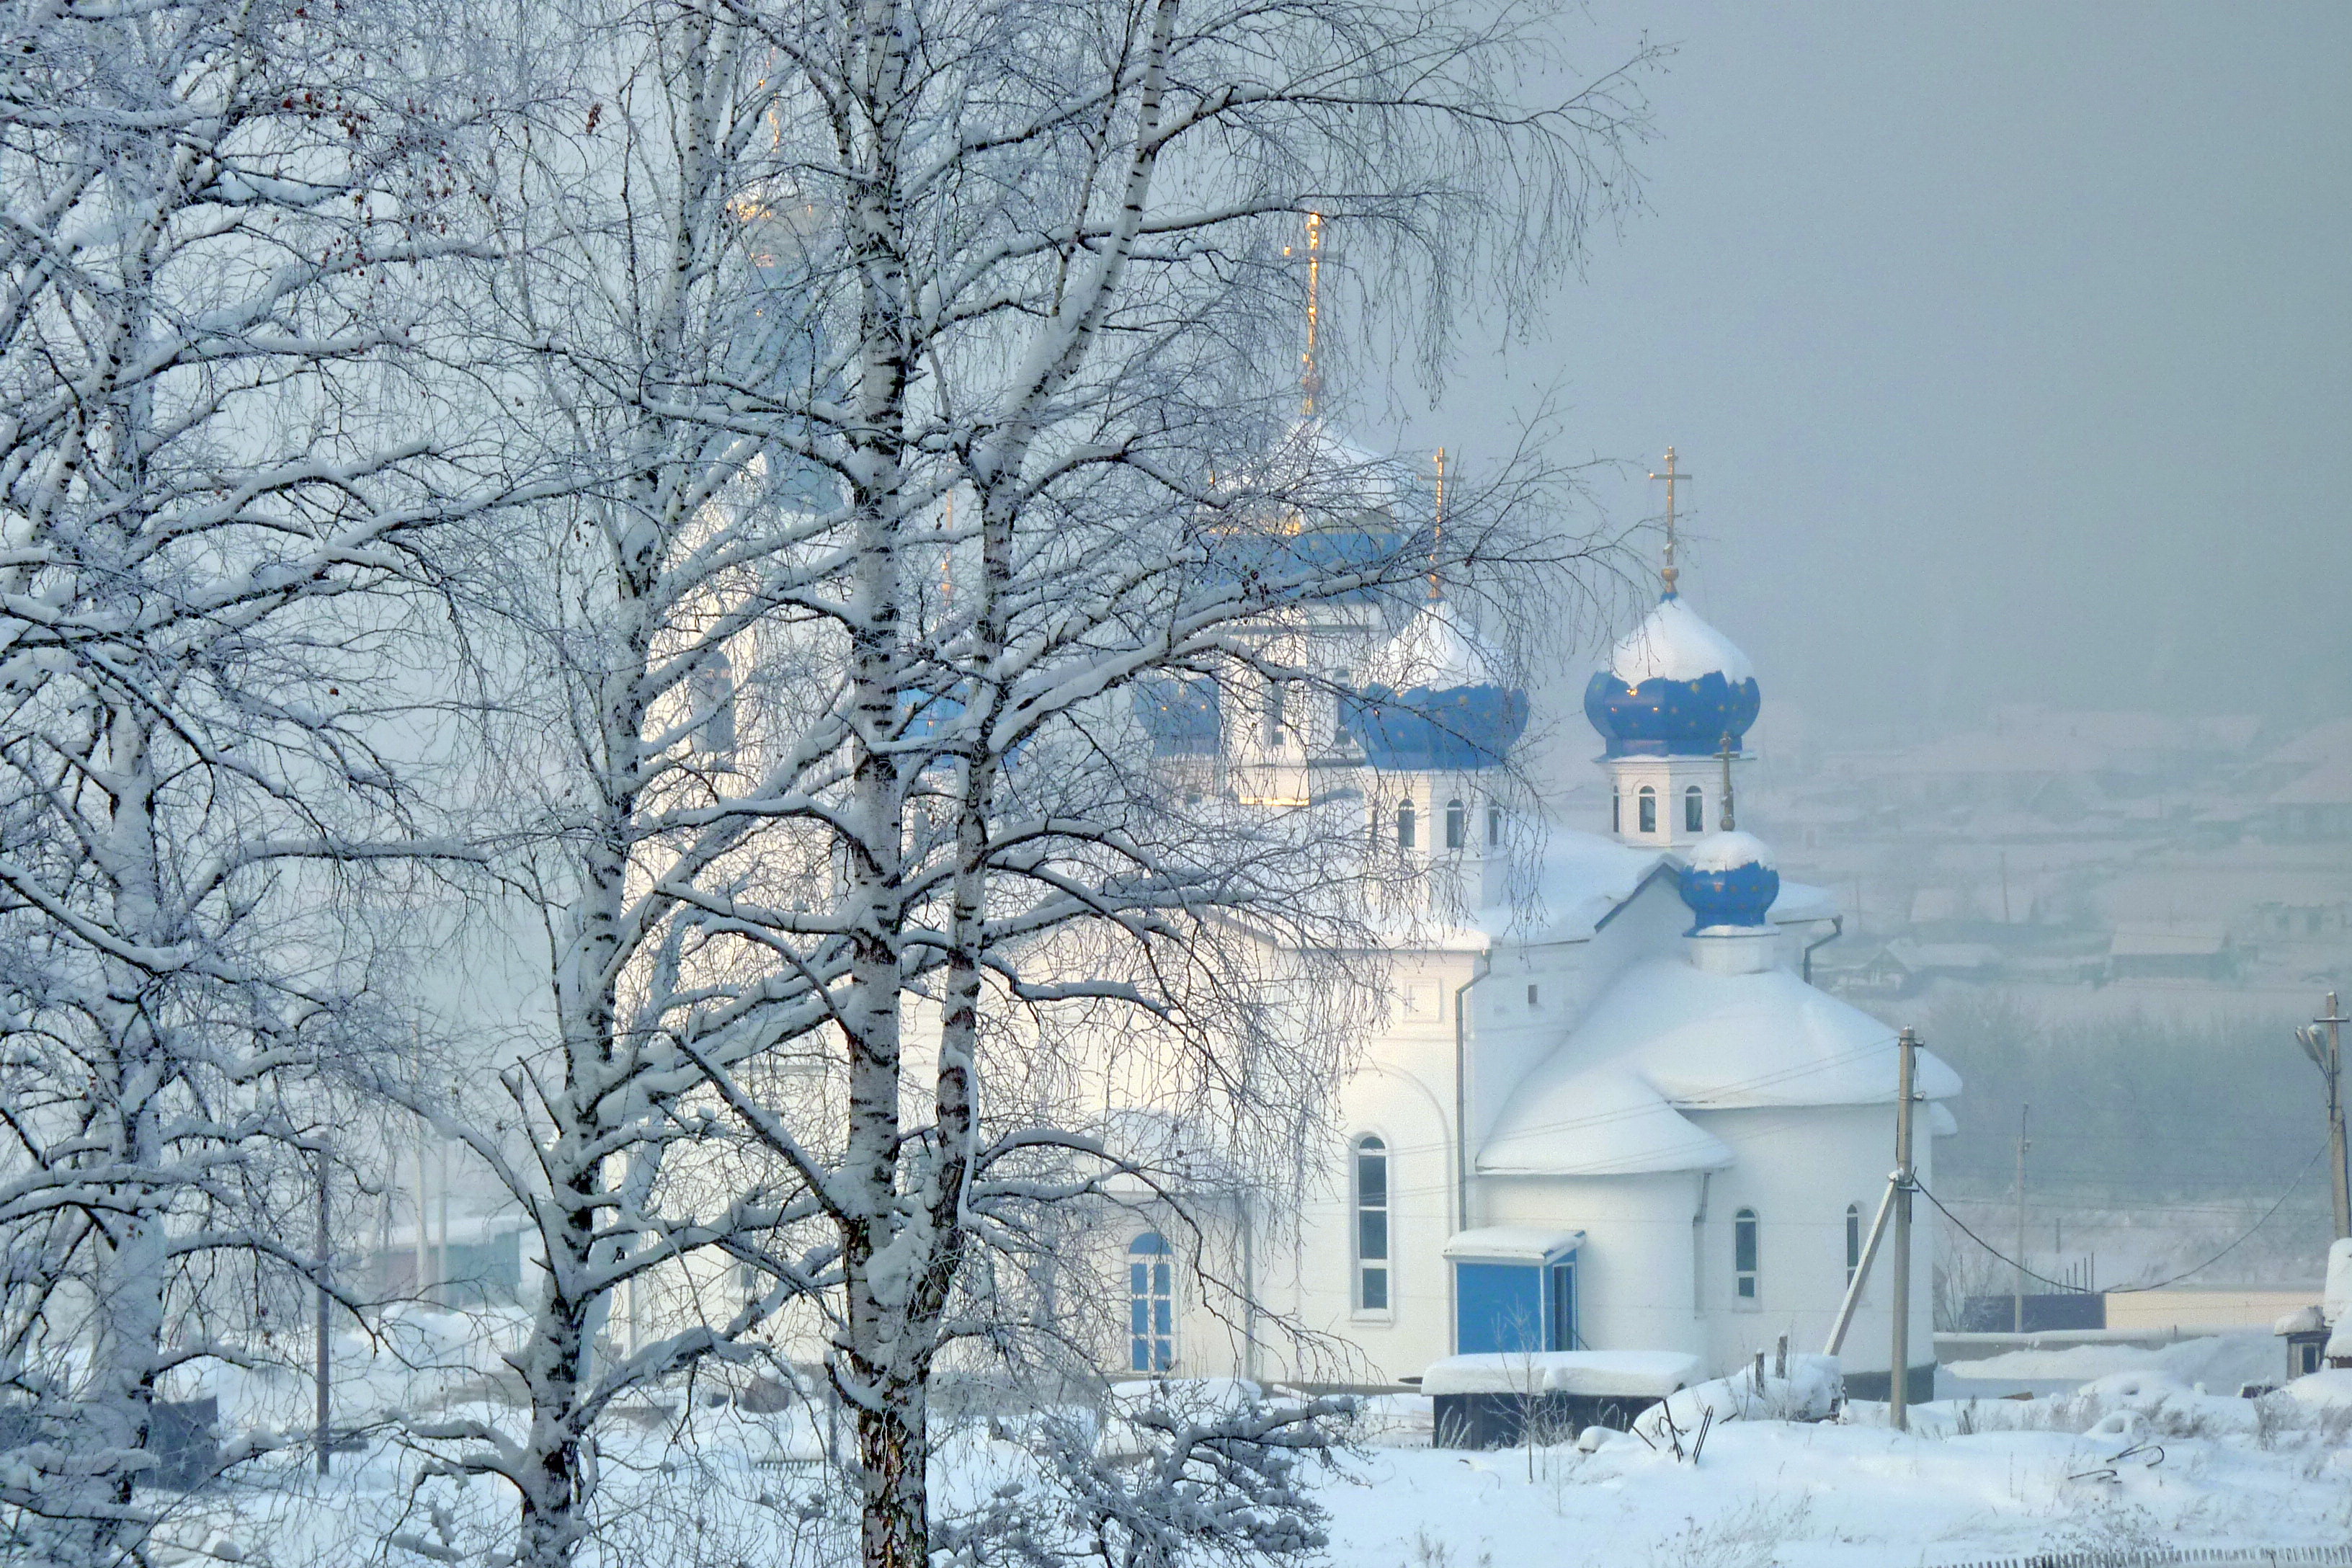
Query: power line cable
[[2130, 1289]]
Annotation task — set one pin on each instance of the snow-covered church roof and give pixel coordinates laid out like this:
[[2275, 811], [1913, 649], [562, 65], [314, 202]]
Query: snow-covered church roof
[[1435, 649], [1584, 878], [1668, 1037], [1675, 643]]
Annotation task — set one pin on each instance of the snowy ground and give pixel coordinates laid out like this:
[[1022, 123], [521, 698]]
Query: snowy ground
[[2136, 1458], [1973, 1480], [2222, 1363]]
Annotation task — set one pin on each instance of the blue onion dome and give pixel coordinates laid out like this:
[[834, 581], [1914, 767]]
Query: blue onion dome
[[1728, 880], [1674, 687], [1437, 701]]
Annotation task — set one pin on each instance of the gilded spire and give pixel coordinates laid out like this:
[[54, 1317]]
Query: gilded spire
[[1310, 380], [1672, 476]]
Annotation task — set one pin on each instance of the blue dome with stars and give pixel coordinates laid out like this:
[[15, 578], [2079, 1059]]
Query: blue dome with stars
[[1674, 687], [1729, 882], [1438, 703]]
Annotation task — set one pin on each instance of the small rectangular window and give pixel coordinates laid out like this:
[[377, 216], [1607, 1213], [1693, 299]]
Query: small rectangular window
[[1531, 995]]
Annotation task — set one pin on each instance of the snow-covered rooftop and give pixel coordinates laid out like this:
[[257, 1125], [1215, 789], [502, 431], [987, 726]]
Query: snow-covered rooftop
[[1603, 1374], [1583, 877], [1435, 649], [1728, 851], [1604, 1121], [1665, 1038], [1513, 1243], [1673, 643]]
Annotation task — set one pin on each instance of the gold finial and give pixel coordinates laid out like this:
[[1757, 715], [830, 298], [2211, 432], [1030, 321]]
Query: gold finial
[[1311, 378], [1438, 537], [1672, 476], [1726, 755]]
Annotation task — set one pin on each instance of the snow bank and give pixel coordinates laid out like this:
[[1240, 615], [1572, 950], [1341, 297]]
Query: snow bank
[[2332, 1388], [1595, 1373], [1807, 1393], [2222, 1362]]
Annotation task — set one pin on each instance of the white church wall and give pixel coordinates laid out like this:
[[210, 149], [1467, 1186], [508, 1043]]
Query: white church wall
[[1797, 1170], [1509, 1038], [1634, 1270], [1403, 1097]]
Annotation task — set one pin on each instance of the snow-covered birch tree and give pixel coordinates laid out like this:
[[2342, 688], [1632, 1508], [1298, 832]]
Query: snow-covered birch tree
[[927, 371], [215, 306]]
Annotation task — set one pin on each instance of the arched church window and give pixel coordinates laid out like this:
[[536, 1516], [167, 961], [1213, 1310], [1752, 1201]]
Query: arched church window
[[1371, 1225], [1494, 827], [1853, 1241], [1647, 802], [1405, 825], [1150, 1304], [1276, 710], [1457, 825], [1743, 1254], [1693, 811], [1616, 810]]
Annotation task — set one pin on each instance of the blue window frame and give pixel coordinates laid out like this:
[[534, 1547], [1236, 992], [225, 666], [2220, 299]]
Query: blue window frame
[[1508, 1307], [1150, 1304]]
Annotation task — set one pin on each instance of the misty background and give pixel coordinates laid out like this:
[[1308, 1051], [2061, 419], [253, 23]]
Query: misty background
[[2010, 345], [2011, 349]]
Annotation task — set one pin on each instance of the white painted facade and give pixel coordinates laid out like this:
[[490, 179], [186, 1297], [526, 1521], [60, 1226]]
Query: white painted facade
[[1580, 1064]]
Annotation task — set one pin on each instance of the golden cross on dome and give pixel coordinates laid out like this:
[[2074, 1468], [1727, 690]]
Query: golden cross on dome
[[1672, 476]]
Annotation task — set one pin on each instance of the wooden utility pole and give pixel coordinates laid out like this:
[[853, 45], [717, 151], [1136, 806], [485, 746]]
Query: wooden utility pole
[[2017, 1296], [2326, 1052], [1899, 1376]]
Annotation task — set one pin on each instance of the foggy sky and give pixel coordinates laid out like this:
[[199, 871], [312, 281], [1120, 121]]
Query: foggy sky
[[2012, 346]]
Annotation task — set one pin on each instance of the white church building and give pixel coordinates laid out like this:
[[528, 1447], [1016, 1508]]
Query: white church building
[[1613, 1116]]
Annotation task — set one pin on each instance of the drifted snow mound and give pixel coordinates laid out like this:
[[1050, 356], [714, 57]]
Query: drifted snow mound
[[2331, 1388], [2161, 1402], [1807, 1393]]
